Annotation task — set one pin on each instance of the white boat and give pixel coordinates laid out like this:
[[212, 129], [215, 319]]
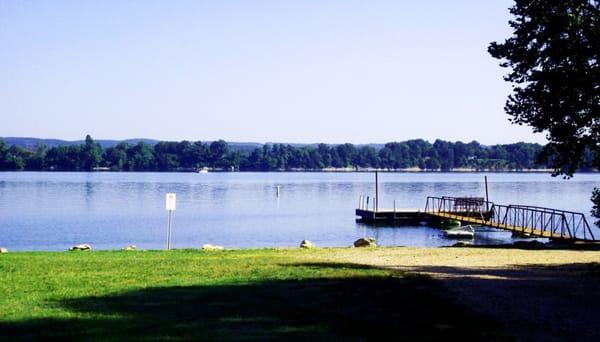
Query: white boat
[[203, 170], [464, 232]]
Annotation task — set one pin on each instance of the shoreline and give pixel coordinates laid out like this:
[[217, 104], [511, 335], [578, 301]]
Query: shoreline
[[528, 171], [532, 245]]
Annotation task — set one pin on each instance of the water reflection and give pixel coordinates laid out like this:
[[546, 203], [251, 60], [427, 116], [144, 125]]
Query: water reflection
[[88, 193]]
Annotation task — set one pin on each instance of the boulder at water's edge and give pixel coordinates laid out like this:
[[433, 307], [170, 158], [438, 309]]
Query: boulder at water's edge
[[209, 247], [306, 244], [82, 247], [365, 242]]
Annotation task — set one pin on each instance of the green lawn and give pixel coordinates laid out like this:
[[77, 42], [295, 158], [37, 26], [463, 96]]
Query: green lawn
[[242, 294]]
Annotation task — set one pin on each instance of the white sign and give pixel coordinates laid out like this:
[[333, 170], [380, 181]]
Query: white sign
[[170, 201]]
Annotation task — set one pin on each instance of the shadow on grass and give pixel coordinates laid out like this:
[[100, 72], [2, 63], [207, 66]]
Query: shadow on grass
[[412, 307], [334, 265], [537, 302], [533, 302]]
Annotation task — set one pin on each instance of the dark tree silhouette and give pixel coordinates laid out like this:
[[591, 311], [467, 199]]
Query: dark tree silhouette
[[553, 57]]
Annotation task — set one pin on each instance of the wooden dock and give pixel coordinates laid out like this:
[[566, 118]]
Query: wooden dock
[[403, 216], [400, 216], [555, 224], [540, 222]]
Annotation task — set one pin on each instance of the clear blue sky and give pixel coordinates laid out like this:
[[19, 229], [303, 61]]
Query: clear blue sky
[[284, 71]]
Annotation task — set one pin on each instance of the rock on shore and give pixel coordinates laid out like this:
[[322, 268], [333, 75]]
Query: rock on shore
[[307, 244], [365, 242], [82, 247], [209, 247]]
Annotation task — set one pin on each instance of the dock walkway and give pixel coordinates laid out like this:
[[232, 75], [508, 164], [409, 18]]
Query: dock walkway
[[536, 221]]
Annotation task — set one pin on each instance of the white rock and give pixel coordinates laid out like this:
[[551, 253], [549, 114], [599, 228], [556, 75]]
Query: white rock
[[306, 244], [3, 250], [82, 247], [209, 247]]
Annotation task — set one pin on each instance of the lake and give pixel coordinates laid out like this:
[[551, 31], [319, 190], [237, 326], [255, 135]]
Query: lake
[[55, 210]]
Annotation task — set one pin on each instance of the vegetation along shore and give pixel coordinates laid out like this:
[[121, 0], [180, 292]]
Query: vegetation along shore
[[349, 293], [407, 156]]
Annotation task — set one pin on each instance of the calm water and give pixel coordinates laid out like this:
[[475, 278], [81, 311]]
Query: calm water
[[53, 211]]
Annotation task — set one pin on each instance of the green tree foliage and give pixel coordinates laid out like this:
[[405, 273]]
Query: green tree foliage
[[12, 158], [37, 160], [91, 154], [64, 158], [218, 153], [115, 157], [596, 206], [165, 155], [190, 156], [186, 155], [553, 57], [141, 157]]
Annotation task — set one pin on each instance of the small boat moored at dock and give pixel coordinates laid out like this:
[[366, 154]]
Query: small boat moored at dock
[[464, 232]]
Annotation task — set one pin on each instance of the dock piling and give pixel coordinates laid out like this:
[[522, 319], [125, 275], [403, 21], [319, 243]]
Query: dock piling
[[376, 204], [487, 198]]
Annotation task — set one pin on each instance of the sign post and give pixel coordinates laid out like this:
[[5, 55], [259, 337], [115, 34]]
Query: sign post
[[170, 206]]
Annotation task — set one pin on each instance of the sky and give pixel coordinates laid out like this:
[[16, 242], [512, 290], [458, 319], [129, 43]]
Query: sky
[[256, 71]]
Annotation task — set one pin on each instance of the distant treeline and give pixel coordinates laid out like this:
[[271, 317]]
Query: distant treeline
[[217, 155]]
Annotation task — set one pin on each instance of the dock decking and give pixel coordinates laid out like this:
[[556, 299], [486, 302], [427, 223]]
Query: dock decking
[[390, 215], [541, 222]]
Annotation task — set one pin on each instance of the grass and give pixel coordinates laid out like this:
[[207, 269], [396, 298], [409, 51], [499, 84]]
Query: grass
[[230, 295]]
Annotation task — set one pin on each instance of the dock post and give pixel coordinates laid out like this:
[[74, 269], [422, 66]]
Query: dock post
[[394, 217], [487, 198], [367, 202], [376, 204], [360, 202]]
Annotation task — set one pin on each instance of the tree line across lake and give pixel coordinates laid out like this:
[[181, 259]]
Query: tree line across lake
[[189, 156]]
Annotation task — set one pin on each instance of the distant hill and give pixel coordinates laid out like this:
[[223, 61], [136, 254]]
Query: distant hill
[[31, 143], [244, 147], [314, 145]]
